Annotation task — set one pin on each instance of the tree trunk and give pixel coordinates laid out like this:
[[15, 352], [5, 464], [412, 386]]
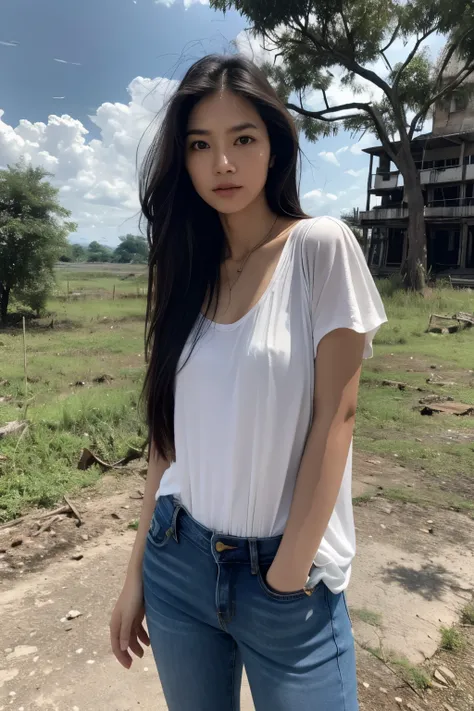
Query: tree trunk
[[4, 298], [414, 268]]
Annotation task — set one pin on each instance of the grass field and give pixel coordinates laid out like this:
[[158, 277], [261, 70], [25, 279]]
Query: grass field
[[87, 334]]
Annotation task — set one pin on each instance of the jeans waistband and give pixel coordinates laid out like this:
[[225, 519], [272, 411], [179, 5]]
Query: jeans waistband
[[176, 520]]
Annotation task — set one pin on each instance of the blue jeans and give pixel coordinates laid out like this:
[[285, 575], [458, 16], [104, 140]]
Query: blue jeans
[[209, 611]]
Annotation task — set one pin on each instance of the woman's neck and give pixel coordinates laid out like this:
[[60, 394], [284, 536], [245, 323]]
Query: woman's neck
[[246, 228]]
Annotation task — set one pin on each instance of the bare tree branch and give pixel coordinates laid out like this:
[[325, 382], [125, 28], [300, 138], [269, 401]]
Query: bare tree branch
[[346, 61], [331, 109], [392, 39], [415, 49], [325, 98], [347, 29], [385, 58]]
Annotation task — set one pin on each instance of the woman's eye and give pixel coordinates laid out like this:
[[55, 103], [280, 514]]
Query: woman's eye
[[199, 145], [244, 140]]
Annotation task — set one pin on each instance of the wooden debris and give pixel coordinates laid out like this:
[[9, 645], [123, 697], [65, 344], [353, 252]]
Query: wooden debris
[[74, 510], [88, 458], [61, 510], [440, 678], [448, 408], [447, 673], [10, 524], [462, 320], [46, 526], [12, 428]]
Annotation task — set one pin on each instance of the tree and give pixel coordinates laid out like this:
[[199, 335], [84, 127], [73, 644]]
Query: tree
[[131, 250], [33, 232], [312, 38], [352, 220], [98, 252], [78, 253]]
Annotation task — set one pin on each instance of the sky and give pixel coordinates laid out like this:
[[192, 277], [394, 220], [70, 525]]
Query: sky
[[82, 85]]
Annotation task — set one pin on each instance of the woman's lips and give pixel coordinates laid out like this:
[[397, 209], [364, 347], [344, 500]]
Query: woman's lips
[[228, 191]]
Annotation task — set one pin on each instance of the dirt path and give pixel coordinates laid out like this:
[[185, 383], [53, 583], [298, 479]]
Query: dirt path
[[407, 583]]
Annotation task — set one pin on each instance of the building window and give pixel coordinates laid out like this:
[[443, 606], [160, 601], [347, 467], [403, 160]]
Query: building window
[[443, 248], [396, 240], [458, 103]]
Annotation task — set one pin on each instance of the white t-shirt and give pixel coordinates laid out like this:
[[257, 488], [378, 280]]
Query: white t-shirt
[[243, 404]]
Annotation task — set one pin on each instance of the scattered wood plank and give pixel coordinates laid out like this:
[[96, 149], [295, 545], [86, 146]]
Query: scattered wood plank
[[60, 510], [462, 320], [448, 408], [45, 526], [74, 510], [88, 458], [10, 524], [12, 428]]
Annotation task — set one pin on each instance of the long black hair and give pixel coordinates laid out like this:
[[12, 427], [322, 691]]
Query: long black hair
[[186, 238]]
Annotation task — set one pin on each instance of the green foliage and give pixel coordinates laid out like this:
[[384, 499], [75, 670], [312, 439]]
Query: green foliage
[[99, 253], [78, 253], [452, 639], [131, 250], [323, 35], [467, 617], [33, 231]]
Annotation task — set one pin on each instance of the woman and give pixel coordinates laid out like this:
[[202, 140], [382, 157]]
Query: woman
[[258, 321]]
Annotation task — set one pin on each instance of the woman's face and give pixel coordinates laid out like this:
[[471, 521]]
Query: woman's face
[[227, 151]]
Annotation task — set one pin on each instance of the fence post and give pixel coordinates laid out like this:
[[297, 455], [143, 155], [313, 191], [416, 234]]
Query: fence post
[[24, 358], [113, 295]]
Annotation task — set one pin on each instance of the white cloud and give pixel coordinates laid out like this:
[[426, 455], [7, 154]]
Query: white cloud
[[318, 202], [343, 149], [355, 173], [187, 3], [97, 177], [329, 157], [365, 141]]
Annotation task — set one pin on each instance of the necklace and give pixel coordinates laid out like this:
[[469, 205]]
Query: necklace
[[243, 261]]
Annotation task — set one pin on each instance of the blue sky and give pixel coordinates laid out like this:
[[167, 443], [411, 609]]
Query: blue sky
[[118, 62]]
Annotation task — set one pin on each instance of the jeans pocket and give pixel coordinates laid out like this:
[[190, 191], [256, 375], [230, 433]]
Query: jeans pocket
[[158, 534], [275, 594], [347, 607]]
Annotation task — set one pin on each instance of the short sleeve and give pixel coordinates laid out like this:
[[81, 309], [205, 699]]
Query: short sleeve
[[342, 292]]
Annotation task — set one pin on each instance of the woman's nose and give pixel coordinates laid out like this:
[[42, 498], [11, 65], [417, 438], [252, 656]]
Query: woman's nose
[[223, 164]]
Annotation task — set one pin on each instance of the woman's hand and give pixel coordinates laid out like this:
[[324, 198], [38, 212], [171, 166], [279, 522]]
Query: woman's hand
[[285, 580], [126, 622]]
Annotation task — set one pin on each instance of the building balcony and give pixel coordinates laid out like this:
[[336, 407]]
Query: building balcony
[[441, 175], [388, 181], [470, 172], [446, 209], [464, 208], [383, 214]]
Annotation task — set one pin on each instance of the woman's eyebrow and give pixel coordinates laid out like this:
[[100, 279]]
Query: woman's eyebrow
[[234, 129]]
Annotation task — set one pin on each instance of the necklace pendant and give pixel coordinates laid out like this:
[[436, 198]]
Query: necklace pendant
[[239, 270]]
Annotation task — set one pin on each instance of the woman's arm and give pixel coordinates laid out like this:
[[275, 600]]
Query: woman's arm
[[156, 468], [337, 373]]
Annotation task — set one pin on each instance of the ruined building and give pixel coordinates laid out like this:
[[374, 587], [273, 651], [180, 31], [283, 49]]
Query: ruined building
[[445, 159]]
